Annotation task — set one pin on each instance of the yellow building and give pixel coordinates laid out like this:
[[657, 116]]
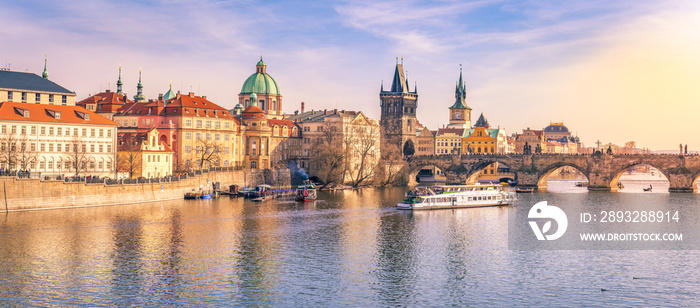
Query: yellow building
[[143, 155]]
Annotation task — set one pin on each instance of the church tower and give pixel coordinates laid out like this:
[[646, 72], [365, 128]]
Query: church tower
[[460, 113], [398, 115]]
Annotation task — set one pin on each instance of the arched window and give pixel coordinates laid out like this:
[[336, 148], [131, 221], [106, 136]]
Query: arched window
[[276, 131], [262, 104], [285, 132], [254, 165]]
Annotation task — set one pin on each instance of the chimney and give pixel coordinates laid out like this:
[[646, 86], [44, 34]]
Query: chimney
[[108, 91], [325, 111], [160, 96], [296, 112], [302, 107], [191, 94], [335, 111], [204, 97]]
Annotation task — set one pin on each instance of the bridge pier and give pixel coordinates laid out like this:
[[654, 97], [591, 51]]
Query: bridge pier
[[601, 182], [528, 179], [681, 182]]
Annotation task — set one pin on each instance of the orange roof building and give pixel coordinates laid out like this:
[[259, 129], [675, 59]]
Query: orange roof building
[[56, 140], [141, 154]]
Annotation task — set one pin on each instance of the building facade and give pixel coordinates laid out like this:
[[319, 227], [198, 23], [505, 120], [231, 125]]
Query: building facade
[[21, 87], [56, 140]]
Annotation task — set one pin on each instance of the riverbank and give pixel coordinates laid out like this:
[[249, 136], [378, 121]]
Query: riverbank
[[35, 194]]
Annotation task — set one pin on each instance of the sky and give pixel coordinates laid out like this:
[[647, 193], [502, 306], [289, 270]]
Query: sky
[[613, 71]]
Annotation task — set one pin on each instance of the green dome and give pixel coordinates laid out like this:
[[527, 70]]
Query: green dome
[[261, 62], [253, 99], [260, 83]]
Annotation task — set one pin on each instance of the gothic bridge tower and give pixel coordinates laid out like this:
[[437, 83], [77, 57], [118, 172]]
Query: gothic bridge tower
[[398, 115]]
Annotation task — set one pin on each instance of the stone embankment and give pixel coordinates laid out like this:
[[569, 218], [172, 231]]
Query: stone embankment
[[34, 194]]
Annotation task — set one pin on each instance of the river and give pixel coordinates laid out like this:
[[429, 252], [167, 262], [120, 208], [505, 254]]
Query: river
[[350, 248]]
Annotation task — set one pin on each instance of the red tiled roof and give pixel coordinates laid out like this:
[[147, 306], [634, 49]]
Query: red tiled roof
[[105, 101], [456, 131], [133, 141], [46, 113], [282, 123], [181, 105]]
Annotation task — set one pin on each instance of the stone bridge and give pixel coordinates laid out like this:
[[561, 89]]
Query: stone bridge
[[531, 170]]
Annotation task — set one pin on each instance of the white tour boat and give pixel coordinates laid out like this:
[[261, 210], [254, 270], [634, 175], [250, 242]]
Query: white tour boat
[[456, 196]]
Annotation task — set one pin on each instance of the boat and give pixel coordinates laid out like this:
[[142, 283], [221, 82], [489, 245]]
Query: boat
[[456, 196], [262, 193], [647, 189], [521, 190], [306, 192], [581, 184]]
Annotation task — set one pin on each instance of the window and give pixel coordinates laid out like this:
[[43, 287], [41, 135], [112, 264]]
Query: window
[[217, 124], [208, 124], [42, 147], [24, 97], [101, 147], [51, 98], [109, 165], [50, 147], [188, 136], [188, 123], [226, 150], [4, 129], [23, 130], [64, 99], [33, 130], [32, 147], [83, 148], [84, 132], [41, 165], [188, 149], [199, 136], [227, 124], [51, 131], [58, 147], [59, 131], [92, 148], [75, 132], [109, 148], [199, 123], [199, 149], [217, 137], [99, 165], [92, 132], [100, 133], [226, 137], [9, 95], [109, 133], [14, 129], [50, 163], [43, 130], [92, 165], [37, 98]]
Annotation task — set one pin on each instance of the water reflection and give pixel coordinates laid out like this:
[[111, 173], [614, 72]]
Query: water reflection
[[350, 248]]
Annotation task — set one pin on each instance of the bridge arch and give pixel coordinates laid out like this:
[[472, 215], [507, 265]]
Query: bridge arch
[[696, 178], [474, 171], [546, 171], [413, 171], [618, 172]]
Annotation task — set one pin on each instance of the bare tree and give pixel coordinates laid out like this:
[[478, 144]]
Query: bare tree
[[364, 149], [27, 154], [130, 161], [328, 156], [390, 164], [77, 157], [9, 154], [207, 153]]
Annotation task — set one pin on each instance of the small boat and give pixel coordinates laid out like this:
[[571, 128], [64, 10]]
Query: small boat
[[262, 193], [647, 189], [581, 184], [526, 190], [206, 196], [306, 192], [456, 196]]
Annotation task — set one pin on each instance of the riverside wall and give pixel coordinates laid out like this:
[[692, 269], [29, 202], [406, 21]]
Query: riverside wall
[[34, 194]]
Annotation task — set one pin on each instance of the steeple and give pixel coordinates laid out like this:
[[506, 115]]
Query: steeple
[[139, 97], [45, 74], [399, 83], [460, 93], [119, 82], [482, 122]]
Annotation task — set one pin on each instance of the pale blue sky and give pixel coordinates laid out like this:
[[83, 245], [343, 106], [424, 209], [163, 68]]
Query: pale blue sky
[[525, 62]]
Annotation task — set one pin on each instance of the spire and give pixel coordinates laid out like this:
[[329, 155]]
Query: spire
[[119, 81], [45, 74], [139, 90], [482, 122], [382, 89], [399, 83], [460, 93]]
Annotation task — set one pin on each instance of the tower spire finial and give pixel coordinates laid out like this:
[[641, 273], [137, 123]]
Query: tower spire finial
[[45, 74], [119, 81], [139, 97]]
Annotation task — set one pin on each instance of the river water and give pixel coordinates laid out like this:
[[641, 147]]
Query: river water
[[350, 248]]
